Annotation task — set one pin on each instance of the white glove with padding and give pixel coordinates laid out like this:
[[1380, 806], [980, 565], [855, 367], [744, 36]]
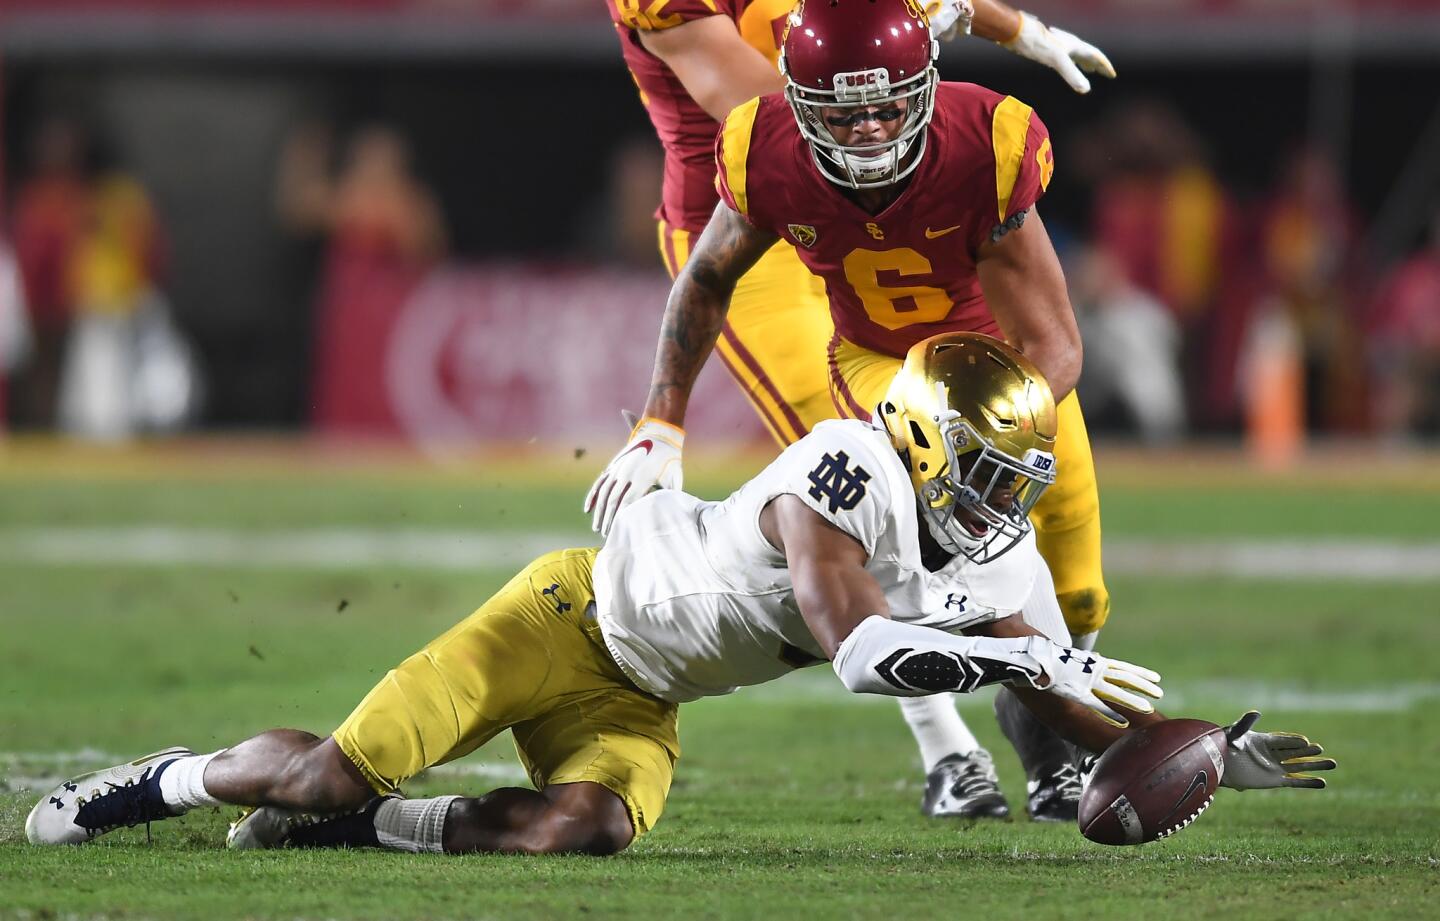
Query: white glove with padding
[[1062, 52], [883, 656], [1267, 760], [649, 460], [1095, 682], [949, 18]]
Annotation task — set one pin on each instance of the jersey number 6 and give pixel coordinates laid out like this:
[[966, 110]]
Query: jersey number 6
[[895, 306]]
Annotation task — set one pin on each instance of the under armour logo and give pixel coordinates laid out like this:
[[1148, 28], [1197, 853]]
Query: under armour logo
[[1069, 656], [554, 592], [70, 787], [833, 480], [958, 602], [59, 804]]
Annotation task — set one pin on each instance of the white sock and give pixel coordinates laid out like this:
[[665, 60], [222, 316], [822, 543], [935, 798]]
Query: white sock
[[182, 786], [1086, 641], [937, 727], [414, 825]]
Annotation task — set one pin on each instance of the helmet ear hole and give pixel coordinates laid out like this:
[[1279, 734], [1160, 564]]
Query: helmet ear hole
[[924, 466], [917, 435]]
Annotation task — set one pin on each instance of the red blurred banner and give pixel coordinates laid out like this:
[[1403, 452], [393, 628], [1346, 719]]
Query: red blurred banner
[[513, 353]]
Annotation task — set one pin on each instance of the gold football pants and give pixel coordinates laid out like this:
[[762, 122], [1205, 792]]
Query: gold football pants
[[1067, 517], [532, 660], [774, 338]]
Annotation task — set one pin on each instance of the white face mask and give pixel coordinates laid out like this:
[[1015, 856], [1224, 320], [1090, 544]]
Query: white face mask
[[874, 165], [970, 480]]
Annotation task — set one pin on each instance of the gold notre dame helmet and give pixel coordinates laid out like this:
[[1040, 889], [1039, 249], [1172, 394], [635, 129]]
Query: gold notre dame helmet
[[975, 422]]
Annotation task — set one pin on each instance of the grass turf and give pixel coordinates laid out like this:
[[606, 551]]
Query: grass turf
[[791, 798]]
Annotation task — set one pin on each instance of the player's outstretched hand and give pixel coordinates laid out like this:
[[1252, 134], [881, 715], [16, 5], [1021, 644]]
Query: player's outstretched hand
[[650, 459], [1062, 52], [1265, 760], [1096, 682]]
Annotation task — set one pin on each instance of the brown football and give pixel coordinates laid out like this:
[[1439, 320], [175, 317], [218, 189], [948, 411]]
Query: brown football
[[1153, 782]]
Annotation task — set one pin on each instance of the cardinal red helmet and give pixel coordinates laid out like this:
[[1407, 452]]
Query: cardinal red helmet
[[861, 54]]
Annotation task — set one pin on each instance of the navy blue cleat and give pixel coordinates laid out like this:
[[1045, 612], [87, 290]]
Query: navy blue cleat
[[1054, 796], [964, 786], [123, 796]]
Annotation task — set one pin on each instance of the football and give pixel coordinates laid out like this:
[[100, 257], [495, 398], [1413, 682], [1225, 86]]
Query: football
[[1153, 782]]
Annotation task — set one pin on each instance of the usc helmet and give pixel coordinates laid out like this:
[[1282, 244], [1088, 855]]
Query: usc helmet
[[854, 54], [974, 420]]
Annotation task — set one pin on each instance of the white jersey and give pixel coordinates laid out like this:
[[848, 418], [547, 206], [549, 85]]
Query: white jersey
[[693, 601]]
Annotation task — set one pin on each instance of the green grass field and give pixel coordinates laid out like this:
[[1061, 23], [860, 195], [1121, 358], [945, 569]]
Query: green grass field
[[149, 607]]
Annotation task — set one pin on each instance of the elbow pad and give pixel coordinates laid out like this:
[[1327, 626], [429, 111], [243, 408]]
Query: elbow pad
[[882, 656]]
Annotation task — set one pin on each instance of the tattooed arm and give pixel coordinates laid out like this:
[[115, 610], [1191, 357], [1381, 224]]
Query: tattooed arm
[[695, 312], [694, 316]]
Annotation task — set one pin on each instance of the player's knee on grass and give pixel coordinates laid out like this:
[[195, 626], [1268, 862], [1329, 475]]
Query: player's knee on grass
[[578, 818], [586, 818]]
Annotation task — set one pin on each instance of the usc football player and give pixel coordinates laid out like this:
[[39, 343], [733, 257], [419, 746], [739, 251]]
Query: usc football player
[[906, 207]]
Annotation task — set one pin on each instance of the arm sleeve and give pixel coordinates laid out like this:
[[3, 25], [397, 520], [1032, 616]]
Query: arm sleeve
[[1024, 161], [732, 156], [883, 656]]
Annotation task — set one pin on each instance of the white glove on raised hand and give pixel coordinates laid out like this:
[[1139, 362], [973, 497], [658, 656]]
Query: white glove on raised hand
[[1266, 760], [1095, 682], [649, 460], [1062, 52], [949, 18]]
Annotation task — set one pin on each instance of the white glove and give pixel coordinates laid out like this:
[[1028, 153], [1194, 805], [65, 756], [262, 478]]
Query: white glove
[[1095, 682], [949, 18], [649, 460], [1060, 51], [1265, 760]]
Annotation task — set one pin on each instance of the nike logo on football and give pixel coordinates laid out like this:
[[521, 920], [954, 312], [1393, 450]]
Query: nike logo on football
[[932, 234]]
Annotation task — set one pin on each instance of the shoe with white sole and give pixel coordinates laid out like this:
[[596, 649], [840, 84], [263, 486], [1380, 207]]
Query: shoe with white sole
[[88, 806], [964, 786], [270, 827]]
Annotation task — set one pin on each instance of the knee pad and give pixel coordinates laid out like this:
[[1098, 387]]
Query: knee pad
[[1085, 610]]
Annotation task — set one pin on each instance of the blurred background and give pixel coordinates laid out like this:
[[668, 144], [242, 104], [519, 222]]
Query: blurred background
[[430, 221]]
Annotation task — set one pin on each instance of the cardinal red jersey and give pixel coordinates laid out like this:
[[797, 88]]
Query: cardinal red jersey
[[906, 273], [685, 130]]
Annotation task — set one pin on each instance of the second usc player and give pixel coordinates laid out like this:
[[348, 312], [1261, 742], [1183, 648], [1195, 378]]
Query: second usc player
[[692, 62], [911, 203]]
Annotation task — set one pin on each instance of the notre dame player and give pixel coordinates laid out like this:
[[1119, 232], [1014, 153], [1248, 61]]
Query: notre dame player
[[585, 655]]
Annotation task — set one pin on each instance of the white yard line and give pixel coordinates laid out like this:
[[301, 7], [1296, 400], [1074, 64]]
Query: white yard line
[[1283, 559], [35, 770], [39, 770], [335, 548]]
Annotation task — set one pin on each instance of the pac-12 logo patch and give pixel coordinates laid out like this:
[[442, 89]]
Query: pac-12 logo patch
[[803, 234], [834, 480]]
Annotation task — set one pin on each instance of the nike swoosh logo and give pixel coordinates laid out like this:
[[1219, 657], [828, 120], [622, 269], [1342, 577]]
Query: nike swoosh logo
[[1199, 781], [932, 234], [645, 446]]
